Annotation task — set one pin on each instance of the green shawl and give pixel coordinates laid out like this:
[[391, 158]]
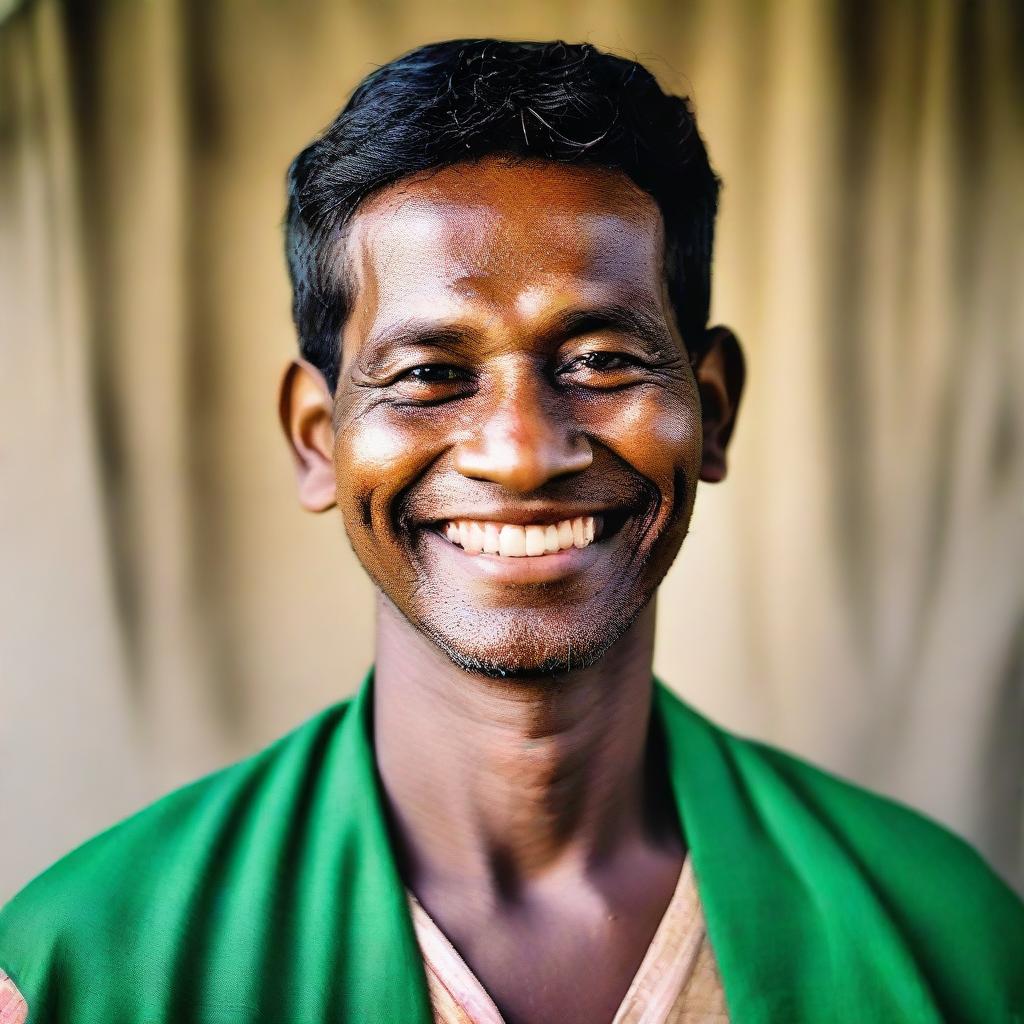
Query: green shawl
[[269, 891]]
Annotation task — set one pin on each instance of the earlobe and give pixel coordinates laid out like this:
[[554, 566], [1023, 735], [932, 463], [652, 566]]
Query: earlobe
[[720, 373], [304, 409]]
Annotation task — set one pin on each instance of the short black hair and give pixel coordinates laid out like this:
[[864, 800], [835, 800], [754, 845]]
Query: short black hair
[[466, 99]]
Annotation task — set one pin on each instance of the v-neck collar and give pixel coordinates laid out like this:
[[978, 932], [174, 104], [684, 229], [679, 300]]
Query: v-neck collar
[[664, 971]]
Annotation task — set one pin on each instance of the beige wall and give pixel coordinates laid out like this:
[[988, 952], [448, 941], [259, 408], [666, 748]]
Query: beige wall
[[854, 591]]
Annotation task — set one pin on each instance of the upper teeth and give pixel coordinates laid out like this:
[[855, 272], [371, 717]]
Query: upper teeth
[[518, 541]]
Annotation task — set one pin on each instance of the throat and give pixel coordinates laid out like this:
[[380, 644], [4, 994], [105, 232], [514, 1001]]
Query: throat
[[507, 788]]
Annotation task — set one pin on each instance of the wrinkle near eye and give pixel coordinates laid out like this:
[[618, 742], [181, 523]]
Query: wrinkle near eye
[[414, 343]]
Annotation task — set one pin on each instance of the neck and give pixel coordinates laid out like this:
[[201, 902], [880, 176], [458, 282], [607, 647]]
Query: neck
[[499, 783]]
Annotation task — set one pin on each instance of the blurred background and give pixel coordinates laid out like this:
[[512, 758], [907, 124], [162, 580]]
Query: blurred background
[[854, 591]]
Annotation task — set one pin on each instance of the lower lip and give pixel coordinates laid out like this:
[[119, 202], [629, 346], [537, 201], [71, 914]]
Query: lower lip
[[529, 569]]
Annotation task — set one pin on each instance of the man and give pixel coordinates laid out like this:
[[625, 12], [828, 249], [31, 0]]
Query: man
[[500, 256]]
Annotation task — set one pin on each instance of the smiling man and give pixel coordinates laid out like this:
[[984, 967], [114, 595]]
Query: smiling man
[[500, 256]]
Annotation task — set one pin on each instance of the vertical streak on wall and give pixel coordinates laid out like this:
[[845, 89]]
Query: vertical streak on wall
[[801, 622], [62, 673], [141, 245]]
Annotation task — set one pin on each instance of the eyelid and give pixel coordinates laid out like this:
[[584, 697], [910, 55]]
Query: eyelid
[[610, 340], [404, 372], [632, 358]]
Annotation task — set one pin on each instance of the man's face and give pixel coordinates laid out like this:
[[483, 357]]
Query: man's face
[[512, 377]]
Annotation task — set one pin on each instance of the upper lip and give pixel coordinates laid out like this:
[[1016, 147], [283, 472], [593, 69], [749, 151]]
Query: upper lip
[[529, 515]]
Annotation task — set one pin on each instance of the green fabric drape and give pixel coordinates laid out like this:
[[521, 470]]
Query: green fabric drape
[[269, 891]]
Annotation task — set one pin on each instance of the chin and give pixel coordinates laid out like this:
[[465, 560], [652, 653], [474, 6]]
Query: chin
[[530, 648]]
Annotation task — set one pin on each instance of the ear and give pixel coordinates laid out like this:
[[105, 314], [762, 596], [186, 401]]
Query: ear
[[304, 408], [720, 372]]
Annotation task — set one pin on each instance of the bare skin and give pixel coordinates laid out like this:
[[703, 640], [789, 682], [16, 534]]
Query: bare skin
[[532, 834], [489, 375]]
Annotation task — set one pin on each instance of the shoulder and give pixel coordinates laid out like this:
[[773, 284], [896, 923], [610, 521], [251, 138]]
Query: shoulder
[[888, 839], [897, 839], [931, 891], [138, 878]]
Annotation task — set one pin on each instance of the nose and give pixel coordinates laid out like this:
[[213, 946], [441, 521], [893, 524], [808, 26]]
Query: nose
[[525, 438]]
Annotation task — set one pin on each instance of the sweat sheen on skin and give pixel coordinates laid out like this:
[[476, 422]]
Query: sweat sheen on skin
[[474, 270]]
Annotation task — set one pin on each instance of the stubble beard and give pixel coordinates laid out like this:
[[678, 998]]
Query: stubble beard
[[520, 643], [522, 651]]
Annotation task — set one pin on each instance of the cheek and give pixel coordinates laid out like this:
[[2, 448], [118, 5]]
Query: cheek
[[658, 433], [365, 448], [374, 459]]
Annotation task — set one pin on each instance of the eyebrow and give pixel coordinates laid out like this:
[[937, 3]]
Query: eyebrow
[[642, 319], [450, 338]]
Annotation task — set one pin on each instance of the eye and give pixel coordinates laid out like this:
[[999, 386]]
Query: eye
[[602, 361], [603, 369], [434, 373], [432, 383]]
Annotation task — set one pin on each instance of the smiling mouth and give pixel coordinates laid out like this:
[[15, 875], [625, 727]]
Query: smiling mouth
[[530, 540]]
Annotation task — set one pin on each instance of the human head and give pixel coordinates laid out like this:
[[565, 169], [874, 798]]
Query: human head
[[463, 99], [566, 320]]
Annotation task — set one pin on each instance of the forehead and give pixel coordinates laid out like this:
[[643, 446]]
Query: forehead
[[505, 235]]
